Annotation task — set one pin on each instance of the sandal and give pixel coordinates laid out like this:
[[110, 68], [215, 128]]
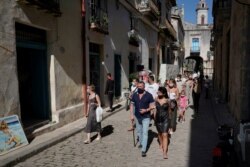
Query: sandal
[[98, 138], [87, 141]]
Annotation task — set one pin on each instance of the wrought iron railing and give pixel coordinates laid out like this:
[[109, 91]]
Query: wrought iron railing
[[98, 18]]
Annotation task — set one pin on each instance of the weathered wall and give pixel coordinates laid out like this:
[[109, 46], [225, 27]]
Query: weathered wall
[[9, 100], [61, 42], [239, 61]]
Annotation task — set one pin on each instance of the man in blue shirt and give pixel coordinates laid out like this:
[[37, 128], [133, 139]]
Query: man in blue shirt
[[142, 102]]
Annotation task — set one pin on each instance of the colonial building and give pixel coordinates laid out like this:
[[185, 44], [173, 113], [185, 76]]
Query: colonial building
[[177, 21], [41, 62], [231, 47], [197, 41], [230, 42], [50, 49]]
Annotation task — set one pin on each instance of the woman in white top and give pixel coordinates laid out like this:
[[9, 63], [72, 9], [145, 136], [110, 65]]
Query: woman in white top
[[173, 94]]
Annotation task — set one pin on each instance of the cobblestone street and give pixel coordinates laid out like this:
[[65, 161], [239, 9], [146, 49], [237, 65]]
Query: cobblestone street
[[190, 145]]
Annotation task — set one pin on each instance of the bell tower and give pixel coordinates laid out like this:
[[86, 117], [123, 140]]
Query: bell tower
[[202, 13]]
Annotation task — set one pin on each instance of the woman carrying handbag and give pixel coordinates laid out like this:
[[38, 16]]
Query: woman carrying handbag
[[92, 124]]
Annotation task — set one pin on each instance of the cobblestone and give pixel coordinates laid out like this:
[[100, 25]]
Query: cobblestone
[[190, 145]]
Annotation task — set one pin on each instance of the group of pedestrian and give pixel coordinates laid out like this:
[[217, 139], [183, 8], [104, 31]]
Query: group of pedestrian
[[149, 101], [165, 104]]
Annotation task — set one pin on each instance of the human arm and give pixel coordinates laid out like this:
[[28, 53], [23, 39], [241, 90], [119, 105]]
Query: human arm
[[98, 100]]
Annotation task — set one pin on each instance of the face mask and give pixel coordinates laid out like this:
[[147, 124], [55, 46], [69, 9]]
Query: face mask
[[140, 91], [160, 96]]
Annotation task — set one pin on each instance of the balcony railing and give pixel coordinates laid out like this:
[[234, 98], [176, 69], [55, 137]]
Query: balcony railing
[[149, 8], [98, 20], [195, 49], [51, 6]]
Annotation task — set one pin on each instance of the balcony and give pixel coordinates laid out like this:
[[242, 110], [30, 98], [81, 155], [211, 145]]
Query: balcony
[[168, 29], [133, 38], [149, 8], [51, 6], [195, 49], [98, 20]]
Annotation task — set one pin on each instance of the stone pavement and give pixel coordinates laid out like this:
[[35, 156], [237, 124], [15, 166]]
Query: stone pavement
[[49, 139], [190, 146]]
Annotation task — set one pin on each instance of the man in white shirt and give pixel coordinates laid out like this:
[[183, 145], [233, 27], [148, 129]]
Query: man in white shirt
[[153, 86]]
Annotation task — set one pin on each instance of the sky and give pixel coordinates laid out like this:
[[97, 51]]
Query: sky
[[190, 13]]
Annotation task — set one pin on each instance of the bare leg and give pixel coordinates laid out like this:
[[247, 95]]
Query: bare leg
[[160, 140], [165, 145], [88, 139]]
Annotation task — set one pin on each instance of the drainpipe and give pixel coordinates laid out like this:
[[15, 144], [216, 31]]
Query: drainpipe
[[84, 77]]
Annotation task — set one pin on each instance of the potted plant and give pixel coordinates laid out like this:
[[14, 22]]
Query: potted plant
[[105, 19], [134, 39], [92, 22]]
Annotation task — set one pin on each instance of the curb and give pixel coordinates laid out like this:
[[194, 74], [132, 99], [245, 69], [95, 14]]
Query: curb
[[18, 157]]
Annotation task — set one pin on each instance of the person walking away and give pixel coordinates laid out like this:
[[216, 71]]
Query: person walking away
[[196, 92], [206, 85], [133, 89], [142, 102], [109, 90], [183, 104], [162, 119], [173, 96], [92, 125]]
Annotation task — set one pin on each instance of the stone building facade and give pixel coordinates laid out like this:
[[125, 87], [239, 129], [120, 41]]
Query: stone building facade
[[41, 62], [44, 55], [230, 42], [197, 41]]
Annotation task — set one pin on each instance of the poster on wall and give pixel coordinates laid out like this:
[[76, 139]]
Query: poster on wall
[[12, 135]]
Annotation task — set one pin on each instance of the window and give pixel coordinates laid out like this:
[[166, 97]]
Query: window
[[195, 44], [203, 5], [202, 19]]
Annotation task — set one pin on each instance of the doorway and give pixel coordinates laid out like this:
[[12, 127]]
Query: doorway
[[32, 71], [94, 66]]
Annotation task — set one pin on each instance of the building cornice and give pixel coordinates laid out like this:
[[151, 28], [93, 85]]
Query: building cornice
[[130, 7]]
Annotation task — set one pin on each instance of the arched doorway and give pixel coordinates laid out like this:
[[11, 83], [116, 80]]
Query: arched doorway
[[198, 66]]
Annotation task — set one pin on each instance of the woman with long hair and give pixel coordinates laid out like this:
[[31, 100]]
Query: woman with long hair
[[162, 119]]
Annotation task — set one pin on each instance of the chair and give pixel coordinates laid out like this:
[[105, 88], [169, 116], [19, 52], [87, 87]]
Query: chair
[[243, 137]]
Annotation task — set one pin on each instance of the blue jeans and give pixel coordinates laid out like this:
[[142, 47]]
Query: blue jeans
[[142, 132]]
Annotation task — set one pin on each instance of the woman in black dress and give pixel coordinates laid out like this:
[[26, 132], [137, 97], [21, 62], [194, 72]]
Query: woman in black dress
[[162, 119], [92, 124]]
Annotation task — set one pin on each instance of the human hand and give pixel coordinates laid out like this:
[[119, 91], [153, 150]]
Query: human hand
[[142, 111]]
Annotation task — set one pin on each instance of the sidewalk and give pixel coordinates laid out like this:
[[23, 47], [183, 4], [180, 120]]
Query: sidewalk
[[49, 139]]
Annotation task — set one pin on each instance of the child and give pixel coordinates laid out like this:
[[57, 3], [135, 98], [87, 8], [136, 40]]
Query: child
[[183, 105]]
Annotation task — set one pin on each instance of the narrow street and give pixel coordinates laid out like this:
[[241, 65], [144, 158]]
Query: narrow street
[[190, 146]]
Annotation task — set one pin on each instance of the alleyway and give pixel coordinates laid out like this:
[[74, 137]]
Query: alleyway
[[190, 145]]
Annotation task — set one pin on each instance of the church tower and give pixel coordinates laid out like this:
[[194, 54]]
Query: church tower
[[202, 13]]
